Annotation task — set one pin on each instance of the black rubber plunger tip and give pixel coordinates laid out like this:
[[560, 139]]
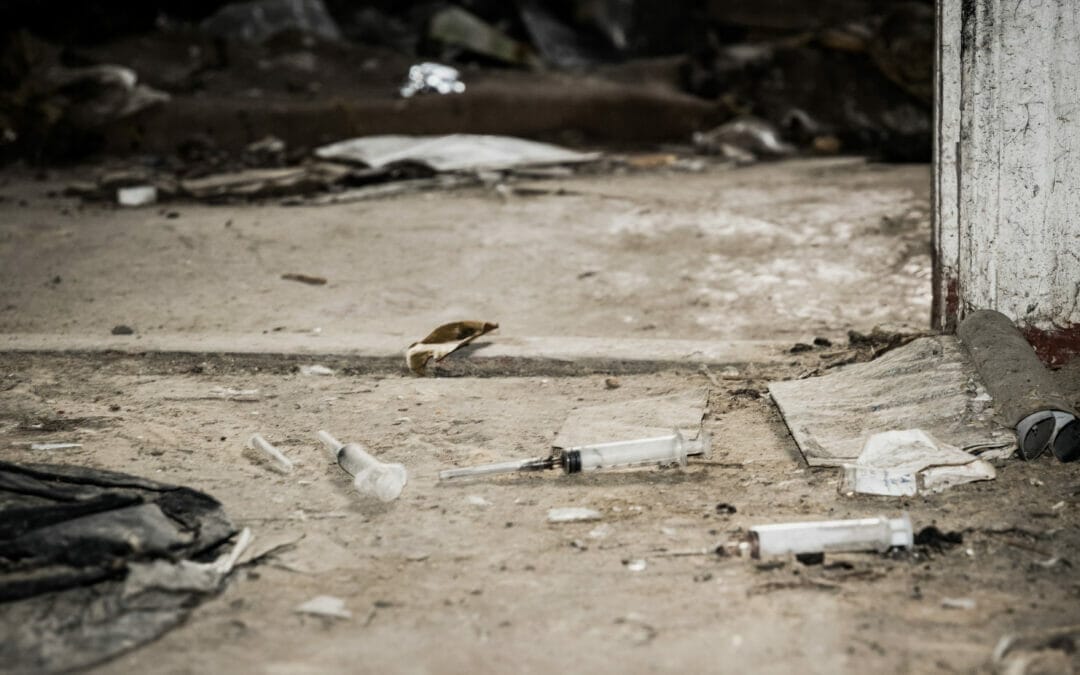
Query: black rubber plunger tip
[[1067, 443]]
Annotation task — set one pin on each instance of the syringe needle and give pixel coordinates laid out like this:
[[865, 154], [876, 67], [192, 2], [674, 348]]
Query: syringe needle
[[536, 464]]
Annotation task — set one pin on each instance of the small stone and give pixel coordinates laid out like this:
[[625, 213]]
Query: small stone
[[121, 329], [612, 383]]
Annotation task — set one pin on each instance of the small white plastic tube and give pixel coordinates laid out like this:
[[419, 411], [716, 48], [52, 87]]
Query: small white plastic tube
[[381, 480], [257, 442], [863, 534]]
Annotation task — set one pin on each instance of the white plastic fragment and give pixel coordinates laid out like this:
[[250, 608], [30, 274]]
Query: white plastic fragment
[[325, 605], [601, 531], [637, 565], [572, 514], [316, 370], [905, 463], [958, 603], [54, 446], [257, 442], [477, 500], [863, 534], [139, 195]]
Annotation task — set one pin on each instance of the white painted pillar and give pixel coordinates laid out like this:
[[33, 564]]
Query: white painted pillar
[[1007, 167]]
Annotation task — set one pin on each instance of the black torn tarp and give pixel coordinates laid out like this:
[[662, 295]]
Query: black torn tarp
[[95, 563]]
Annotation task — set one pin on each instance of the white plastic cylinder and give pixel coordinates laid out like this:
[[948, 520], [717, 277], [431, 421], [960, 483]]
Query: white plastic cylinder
[[382, 480], [863, 534], [669, 449]]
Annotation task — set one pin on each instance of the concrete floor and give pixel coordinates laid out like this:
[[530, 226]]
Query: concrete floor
[[437, 582]]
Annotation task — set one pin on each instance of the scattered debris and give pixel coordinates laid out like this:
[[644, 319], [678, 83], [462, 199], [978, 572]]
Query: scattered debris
[[230, 394], [98, 563], [455, 152], [257, 442], [958, 603], [477, 500], [865, 534], [800, 347], [572, 514], [432, 78], [140, 195], [54, 446], [725, 509], [260, 20], [325, 605], [822, 342], [316, 370], [923, 385], [443, 341], [745, 139], [611, 383], [381, 480], [930, 538], [879, 340], [601, 531], [636, 565], [1044, 650], [904, 463], [121, 329], [455, 27], [305, 279]]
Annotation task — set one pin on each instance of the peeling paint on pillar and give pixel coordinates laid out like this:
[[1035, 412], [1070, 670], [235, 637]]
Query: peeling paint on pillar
[[1007, 167]]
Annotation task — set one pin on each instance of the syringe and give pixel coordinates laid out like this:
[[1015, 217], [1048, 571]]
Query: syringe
[[659, 450]]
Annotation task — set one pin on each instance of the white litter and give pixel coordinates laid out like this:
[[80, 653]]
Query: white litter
[[325, 605], [140, 195], [54, 446], [958, 603], [638, 565], [316, 370], [905, 463], [455, 152], [572, 514], [601, 531], [257, 442], [477, 500]]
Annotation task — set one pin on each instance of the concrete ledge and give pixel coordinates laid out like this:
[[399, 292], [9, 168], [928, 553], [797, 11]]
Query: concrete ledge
[[369, 353]]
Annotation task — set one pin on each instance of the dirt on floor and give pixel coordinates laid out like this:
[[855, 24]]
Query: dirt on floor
[[472, 577]]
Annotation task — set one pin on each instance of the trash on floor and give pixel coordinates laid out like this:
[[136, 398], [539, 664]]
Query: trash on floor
[[636, 418], [830, 536], [667, 450], [432, 78], [927, 384], [745, 139], [55, 446], [572, 514], [261, 20], [305, 279], [1025, 394], [382, 480], [456, 27], [325, 605], [455, 152], [316, 370], [96, 563], [1043, 650], [905, 463], [444, 341], [139, 195], [257, 442]]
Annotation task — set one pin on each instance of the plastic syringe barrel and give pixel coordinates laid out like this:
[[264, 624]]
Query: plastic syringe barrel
[[863, 534], [668, 449]]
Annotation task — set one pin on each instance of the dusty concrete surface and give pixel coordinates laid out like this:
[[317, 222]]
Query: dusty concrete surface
[[438, 582], [776, 251]]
